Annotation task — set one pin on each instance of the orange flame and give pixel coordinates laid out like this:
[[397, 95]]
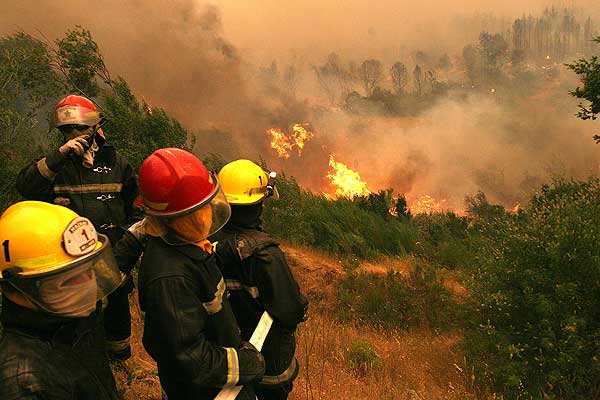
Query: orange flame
[[284, 144], [516, 208], [300, 136], [347, 182], [279, 142], [427, 205]]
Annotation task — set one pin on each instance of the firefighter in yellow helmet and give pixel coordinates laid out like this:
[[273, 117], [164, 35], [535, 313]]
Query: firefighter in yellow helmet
[[258, 276], [54, 269]]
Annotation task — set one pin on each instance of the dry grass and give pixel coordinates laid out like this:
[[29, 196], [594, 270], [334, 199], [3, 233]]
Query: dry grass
[[410, 365]]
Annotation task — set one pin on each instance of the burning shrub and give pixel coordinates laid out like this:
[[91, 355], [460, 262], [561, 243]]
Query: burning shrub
[[534, 319]]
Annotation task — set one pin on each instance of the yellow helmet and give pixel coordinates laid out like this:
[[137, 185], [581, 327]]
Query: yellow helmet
[[245, 183], [55, 258]]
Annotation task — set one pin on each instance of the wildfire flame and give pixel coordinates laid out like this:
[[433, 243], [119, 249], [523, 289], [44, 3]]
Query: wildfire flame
[[516, 208], [427, 205], [284, 144], [347, 182]]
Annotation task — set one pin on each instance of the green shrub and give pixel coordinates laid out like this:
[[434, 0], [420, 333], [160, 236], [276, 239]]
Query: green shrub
[[393, 302], [443, 239], [534, 312], [338, 226], [362, 356]]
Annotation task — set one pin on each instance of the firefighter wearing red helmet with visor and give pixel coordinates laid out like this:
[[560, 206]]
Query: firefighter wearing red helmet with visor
[[90, 177], [189, 327]]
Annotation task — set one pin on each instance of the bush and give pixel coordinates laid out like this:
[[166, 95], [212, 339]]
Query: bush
[[392, 302], [338, 226], [534, 311], [362, 356], [443, 239]]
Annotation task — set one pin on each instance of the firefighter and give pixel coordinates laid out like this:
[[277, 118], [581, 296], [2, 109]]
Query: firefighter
[[54, 269], [258, 276], [189, 328], [90, 177]]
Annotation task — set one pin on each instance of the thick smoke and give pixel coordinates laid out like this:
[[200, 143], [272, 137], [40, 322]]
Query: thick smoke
[[220, 71]]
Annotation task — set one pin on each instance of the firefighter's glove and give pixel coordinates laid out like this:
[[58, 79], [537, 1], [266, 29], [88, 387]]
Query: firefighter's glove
[[77, 145], [138, 230], [252, 363]]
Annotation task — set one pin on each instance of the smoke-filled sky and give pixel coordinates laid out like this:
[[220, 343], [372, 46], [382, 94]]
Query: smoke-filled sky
[[202, 62], [362, 28]]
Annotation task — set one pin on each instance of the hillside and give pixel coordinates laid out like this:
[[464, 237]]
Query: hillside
[[405, 365]]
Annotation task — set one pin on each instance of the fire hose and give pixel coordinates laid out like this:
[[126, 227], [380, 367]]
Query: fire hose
[[257, 339]]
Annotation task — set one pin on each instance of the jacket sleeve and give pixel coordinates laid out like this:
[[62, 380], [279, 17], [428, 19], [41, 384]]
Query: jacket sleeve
[[35, 181], [127, 251], [278, 288], [129, 193], [175, 323]]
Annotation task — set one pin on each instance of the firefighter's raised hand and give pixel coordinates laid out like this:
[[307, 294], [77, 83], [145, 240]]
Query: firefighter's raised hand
[[138, 230], [76, 145]]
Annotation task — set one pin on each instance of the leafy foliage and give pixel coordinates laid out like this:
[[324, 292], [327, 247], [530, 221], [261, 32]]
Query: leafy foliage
[[78, 57], [589, 73], [339, 226], [394, 302], [27, 82], [443, 239], [362, 356], [137, 129], [534, 322]]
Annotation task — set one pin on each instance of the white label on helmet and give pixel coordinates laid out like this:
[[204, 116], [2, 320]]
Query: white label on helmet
[[67, 114], [80, 237]]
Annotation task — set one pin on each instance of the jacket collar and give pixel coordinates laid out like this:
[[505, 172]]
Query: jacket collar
[[190, 250], [43, 325]]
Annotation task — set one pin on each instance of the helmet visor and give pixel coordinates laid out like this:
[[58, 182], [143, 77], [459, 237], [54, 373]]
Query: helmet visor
[[193, 226], [73, 290]]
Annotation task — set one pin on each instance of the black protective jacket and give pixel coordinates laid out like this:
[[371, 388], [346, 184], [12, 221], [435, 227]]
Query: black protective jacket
[[104, 193], [45, 357], [189, 328], [259, 278]]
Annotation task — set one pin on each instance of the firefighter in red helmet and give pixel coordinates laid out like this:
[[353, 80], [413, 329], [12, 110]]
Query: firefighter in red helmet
[[189, 327], [90, 177]]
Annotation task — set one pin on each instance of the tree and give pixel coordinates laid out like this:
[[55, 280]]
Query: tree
[[27, 82], [79, 59], [494, 50], [444, 63], [399, 77], [472, 63], [291, 77], [589, 74], [418, 79], [370, 72], [333, 78]]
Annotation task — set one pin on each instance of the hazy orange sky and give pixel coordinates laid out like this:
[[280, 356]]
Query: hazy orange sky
[[269, 28]]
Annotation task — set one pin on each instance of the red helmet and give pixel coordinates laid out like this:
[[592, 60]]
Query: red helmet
[[76, 110], [174, 183]]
